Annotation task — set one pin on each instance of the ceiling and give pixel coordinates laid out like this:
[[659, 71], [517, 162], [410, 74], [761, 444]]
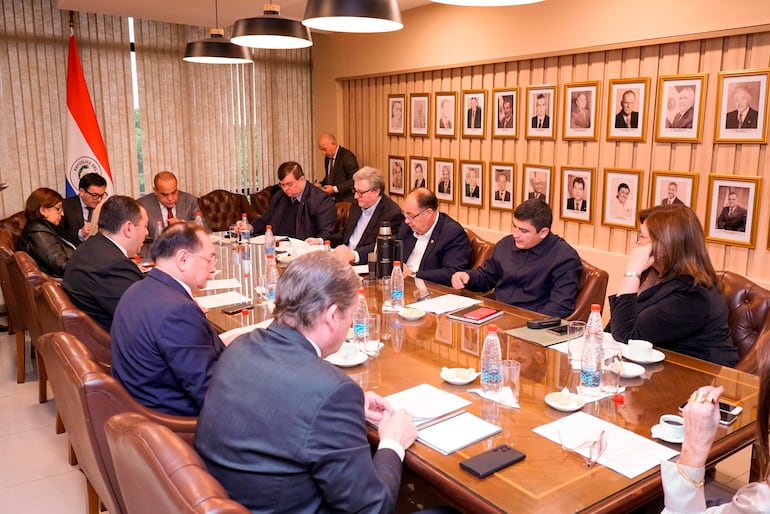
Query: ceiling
[[200, 13]]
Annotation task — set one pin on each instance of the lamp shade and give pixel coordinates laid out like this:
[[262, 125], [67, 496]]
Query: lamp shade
[[216, 50], [486, 3], [271, 31], [353, 15]]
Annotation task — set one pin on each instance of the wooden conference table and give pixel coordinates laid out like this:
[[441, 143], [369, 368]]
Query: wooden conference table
[[549, 479]]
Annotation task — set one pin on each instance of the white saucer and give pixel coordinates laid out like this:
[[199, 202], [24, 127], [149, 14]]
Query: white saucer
[[575, 402], [411, 314], [452, 375], [335, 359], [631, 370], [655, 356], [676, 440]]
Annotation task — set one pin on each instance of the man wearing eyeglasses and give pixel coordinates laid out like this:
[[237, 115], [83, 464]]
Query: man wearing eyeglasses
[[92, 189], [359, 235], [168, 204], [435, 245], [163, 347]]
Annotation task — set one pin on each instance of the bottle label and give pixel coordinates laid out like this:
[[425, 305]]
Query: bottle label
[[397, 295], [359, 330], [590, 378]]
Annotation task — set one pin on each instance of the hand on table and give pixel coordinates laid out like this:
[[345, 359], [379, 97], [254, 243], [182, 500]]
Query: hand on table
[[374, 406], [398, 426], [459, 279], [701, 419]]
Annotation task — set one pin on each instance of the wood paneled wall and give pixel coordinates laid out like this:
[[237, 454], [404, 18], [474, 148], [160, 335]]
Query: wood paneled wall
[[365, 118]]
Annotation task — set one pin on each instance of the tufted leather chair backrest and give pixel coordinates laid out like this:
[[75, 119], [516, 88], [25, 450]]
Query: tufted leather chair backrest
[[159, 472], [222, 208], [343, 211], [592, 288], [14, 224], [7, 249], [261, 201], [481, 249], [748, 306]]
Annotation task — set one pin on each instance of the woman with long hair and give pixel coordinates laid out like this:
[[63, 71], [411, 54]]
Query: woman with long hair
[[40, 238]]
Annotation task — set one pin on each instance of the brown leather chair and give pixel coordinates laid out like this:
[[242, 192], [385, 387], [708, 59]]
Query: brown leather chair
[[14, 224], [748, 319], [15, 320], [481, 249], [261, 201], [158, 472], [222, 208], [25, 276], [592, 288], [86, 398], [343, 211]]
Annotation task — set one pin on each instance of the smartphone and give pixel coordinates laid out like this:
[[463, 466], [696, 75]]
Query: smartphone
[[727, 418], [491, 461], [728, 408], [559, 331]]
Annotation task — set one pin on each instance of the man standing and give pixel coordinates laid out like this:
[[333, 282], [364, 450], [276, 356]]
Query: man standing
[[533, 268], [474, 114], [298, 210], [101, 269], [743, 117], [163, 347], [627, 117], [78, 210], [419, 176], [733, 216], [435, 245], [339, 166], [300, 442], [359, 235], [672, 197], [168, 204], [541, 118]]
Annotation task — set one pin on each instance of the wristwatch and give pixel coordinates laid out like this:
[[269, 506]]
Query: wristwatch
[[632, 273]]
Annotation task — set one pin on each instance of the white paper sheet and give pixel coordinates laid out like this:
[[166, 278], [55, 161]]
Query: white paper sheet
[[627, 453], [456, 432], [426, 402], [224, 283], [227, 337], [361, 269], [444, 303], [220, 299]]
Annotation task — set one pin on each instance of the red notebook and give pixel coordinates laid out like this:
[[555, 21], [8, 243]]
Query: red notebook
[[476, 314]]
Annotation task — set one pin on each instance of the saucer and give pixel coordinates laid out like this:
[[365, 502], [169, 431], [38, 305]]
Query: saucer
[[336, 359], [411, 314], [459, 376], [565, 402], [656, 435], [655, 356]]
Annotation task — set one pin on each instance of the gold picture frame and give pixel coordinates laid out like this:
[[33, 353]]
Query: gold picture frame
[[537, 182], [742, 106], [581, 111], [502, 187], [680, 108], [445, 190], [419, 114], [472, 194], [396, 178], [505, 124], [674, 187], [396, 115], [727, 220], [628, 102], [446, 114], [541, 112], [419, 172]]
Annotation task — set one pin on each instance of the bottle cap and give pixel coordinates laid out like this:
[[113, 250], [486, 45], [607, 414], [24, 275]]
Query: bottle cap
[[361, 291], [492, 328], [596, 307], [396, 264], [269, 227], [245, 312], [197, 213]]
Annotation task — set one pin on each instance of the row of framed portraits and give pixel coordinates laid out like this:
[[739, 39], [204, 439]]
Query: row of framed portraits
[[741, 117], [731, 214]]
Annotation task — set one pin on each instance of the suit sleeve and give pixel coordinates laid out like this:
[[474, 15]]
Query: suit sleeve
[[455, 251], [349, 166], [342, 455], [325, 215]]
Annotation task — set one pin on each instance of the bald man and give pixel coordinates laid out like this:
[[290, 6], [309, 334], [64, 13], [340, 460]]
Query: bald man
[[339, 166]]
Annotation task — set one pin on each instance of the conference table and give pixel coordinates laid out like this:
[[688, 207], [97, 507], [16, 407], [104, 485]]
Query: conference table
[[549, 479]]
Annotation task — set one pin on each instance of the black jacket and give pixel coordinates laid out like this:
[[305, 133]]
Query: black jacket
[[44, 243]]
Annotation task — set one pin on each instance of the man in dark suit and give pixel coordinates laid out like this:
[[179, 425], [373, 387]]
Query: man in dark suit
[[474, 114], [743, 117], [502, 192], [577, 201], [300, 441], [733, 216], [541, 118], [537, 184], [168, 204], [163, 347], [435, 245], [685, 104], [445, 184], [101, 269], [419, 176], [627, 117], [359, 235], [299, 210], [76, 222], [472, 183], [339, 164], [672, 197]]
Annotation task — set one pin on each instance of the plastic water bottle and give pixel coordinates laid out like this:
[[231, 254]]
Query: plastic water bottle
[[591, 361], [491, 363], [244, 232], [198, 218], [269, 241], [271, 278], [246, 260], [327, 246], [361, 321], [397, 286]]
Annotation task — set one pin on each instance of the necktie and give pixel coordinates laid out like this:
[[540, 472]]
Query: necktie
[[90, 213], [331, 167], [539, 123], [628, 122], [170, 215], [740, 120]]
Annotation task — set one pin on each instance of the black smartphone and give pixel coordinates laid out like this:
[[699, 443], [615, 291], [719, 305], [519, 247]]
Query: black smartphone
[[540, 323], [727, 418], [725, 407], [237, 308], [491, 461], [559, 331]]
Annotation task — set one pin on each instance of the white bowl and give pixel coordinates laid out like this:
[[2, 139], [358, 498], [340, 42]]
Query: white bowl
[[459, 376], [411, 314]]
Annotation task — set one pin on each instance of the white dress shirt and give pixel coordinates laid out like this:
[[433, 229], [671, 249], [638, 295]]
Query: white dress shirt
[[415, 258]]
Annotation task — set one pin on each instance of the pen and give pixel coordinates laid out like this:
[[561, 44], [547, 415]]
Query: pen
[[440, 419]]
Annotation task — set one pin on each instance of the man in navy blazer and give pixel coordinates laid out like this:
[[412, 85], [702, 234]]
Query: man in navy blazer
[[359, 235], [339, 165], [101, 269], [163, 347], [743, 117], [435, 245], [285, 431], [78, 209]]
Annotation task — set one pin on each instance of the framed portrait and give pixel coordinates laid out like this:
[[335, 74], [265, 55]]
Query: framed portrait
[[446, 117], [742, 107], [419, 115], [443, 329], [471, 340], [679, 110], [577, 191], [501, 185], [474, 103], [472, 184], [419, 175], [396, 175], [671, 187], [538, 182], [396, 115], [580, 111], [733, 207], [541, 112], [627, 111], [622, 197], [506, 124], [444, 177]]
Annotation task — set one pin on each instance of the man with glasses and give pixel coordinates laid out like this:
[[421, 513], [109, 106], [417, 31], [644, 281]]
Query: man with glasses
[[359, 235], [163, 347], [78, 210], [533, 268], [168, 204], [298, 210], [435, 245], [101, 269]]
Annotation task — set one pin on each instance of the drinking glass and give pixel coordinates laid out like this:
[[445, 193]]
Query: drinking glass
[[590, 450], [612, 365], [373, 342], [511, 374], [575, 331], [386, 301]]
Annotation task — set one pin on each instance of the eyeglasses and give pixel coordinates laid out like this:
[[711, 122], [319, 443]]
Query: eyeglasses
[[361, 193], [594, 448], [410, 217], [97, 196], [212, 260], [59, 208]]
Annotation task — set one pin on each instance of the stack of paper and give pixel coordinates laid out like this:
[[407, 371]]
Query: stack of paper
[[444, 303]]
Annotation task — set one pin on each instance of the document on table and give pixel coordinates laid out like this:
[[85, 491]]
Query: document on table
[[426, 402], [227, 337], [220, 299], [627, 453], [444, 303], [456, 431], [225, 283]]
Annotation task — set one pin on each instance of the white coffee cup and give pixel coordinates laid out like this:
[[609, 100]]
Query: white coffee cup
[[640, 349], [671, 427], [348, 351], [284, 245]]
